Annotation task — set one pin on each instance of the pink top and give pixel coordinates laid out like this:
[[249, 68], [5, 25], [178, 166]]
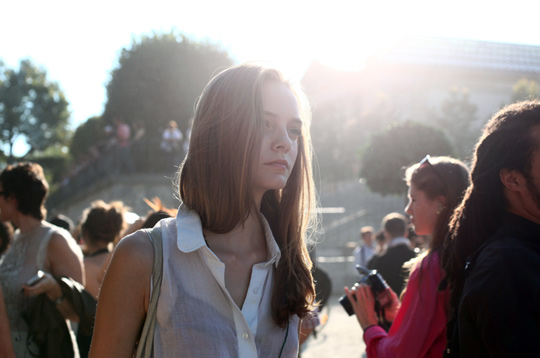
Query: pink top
[[122, 134], [419, 329]]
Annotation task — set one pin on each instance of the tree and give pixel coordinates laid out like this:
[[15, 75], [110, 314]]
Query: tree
[[396, 147], [159, 79], [32, 109], [458, 119], [88, 134], [525, 89], [338, 130]]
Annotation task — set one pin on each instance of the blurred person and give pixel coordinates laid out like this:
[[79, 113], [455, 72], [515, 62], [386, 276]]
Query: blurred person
[[37, 245], [159, 211], [123, 150], [380, 244], [398, 251], [493, 254], [365, 250], [236, 247], [436, 187], [171, 143], [100, 226], [64, 222]]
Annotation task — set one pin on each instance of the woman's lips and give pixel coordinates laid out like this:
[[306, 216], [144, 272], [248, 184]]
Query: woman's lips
[[280, 163]]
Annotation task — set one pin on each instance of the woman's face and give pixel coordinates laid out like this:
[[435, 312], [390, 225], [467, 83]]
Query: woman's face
[[423, 211], [6, 206], [279, 145]]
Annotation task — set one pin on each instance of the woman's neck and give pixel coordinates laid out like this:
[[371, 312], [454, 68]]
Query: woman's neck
[[26, 223], [244, 237], [94, 247]]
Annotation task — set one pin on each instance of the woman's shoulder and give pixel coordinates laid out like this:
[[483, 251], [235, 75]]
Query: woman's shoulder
[[136, 245], [427, 264], [59, 239]]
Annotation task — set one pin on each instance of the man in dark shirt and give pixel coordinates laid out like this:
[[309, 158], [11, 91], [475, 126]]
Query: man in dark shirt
[[493, 259], [398, 251]]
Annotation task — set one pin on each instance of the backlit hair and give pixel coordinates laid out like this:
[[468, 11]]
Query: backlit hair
[[443, 176], [506, 143], [27, 183], [216, 177], [103, 222]]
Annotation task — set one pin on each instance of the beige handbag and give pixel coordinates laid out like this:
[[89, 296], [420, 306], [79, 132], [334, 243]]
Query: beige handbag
[[145, 348]]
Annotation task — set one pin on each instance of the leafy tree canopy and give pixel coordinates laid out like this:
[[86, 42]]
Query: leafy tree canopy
[[391, 150], [89, 133], [525, 89], [339, 129], [32, 108], [159, 79], [459, 120]]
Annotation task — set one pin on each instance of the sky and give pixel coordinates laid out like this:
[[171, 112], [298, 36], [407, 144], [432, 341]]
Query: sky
[[78, 43]]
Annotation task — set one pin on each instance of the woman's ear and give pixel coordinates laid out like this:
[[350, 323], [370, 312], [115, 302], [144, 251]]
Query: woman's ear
[[441, 200]]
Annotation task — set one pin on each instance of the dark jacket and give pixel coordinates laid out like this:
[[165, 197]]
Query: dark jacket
[[499, 311], [47, 327], [390, 265]]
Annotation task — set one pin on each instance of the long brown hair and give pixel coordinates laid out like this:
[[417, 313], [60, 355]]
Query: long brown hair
[[216, 177]]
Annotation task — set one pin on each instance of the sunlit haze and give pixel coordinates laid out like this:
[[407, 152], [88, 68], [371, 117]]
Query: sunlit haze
[[79, 44]]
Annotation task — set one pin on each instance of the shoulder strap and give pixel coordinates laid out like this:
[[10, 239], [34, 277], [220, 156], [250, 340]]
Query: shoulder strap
[[145, 348], [42, 252]]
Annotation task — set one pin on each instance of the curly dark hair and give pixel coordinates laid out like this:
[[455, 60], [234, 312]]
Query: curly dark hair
[[506, 143], [27, 183]]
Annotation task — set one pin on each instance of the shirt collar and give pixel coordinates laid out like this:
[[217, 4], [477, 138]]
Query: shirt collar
[[189, 235], [399, 241]]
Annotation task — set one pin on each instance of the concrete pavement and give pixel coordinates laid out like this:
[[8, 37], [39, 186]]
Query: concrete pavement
[[341, 336]]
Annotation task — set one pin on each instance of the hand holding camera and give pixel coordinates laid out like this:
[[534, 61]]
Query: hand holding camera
[[374, 301]]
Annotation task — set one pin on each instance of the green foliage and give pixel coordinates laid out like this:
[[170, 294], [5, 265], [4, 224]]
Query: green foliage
[[396, 147], [159, 79], [459, 120], [88, 134], [339, 129], [32, 108], [55, 164], [525, 89]]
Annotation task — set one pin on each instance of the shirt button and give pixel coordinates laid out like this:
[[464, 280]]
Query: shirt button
[[245, 335], [256, 290]]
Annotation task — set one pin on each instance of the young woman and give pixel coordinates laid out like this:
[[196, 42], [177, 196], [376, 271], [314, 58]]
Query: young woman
[[236, 272], [101, 224], [37, 245], [436, 186]]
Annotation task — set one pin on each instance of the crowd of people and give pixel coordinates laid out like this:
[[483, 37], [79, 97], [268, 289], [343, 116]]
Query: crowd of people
[[228, 274], [122, 147]]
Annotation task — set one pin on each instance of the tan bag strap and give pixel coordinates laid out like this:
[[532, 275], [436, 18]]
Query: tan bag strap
[[145, 348]]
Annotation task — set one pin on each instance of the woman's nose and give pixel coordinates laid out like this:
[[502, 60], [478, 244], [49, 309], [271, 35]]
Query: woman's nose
[[281, 139], [408, 208]]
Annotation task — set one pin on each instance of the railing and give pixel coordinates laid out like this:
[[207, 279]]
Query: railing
[[142, 157]]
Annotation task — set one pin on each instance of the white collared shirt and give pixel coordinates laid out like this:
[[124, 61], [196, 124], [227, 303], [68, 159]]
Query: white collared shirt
[[196, 315]]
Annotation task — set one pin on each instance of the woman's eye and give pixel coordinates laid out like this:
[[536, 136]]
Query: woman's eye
[[295, 133]]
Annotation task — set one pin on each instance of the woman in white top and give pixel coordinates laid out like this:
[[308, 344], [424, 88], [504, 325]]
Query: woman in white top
[[236, 272], [37, 245]]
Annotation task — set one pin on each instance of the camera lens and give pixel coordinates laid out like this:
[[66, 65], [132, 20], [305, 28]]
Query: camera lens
[[344, 300]]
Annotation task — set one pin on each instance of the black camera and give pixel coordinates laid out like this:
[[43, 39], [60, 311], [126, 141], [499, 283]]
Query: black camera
[[378, 285]]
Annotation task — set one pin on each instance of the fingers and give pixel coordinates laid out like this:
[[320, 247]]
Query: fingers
[[46, 284], [362, 302]]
